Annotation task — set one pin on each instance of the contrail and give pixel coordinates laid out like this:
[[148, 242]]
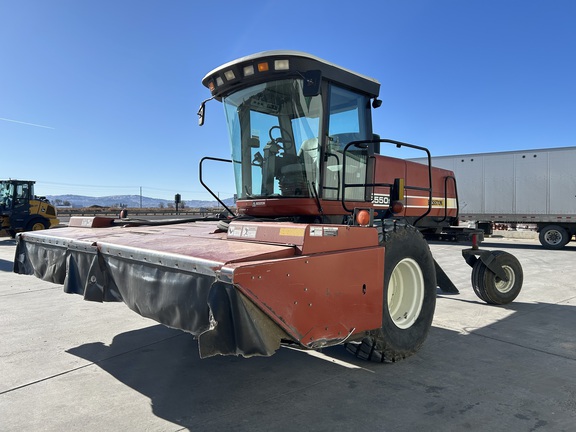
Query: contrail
[[26, 123]]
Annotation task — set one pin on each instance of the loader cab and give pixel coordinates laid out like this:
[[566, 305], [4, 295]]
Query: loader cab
[[289, 117], [15, 196], [14, 204]]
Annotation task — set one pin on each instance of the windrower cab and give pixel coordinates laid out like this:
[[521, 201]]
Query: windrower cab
[[302, 145]]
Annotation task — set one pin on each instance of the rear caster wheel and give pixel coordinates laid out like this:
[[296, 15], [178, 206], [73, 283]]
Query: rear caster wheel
[[491, 288]]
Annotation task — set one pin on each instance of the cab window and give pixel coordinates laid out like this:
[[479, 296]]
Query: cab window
[[348, 121]]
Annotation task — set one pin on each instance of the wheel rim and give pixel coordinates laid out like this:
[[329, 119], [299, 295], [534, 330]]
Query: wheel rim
[[553, 237], [505, 286], [38, 226], [405, 293]]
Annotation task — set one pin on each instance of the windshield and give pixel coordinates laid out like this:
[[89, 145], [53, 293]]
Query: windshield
[[274, 131]]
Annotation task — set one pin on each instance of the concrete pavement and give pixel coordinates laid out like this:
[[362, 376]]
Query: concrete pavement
[[68, 364]]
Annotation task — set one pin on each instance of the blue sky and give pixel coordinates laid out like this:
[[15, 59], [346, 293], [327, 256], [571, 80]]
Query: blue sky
[[99, 97]]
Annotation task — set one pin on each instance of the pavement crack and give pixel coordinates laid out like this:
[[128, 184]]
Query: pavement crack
[[58, 287], [475, 333], [94, 363], [45, 379]]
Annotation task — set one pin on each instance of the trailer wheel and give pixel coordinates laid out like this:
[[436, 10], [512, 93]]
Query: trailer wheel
[[491, 288], [409, 298], [554, 237]]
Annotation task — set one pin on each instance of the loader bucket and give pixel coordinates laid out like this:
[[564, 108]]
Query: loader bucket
[[241, 292]]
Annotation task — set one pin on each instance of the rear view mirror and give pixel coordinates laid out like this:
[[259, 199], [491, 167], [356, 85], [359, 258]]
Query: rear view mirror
[[312, 80], [201, 113]]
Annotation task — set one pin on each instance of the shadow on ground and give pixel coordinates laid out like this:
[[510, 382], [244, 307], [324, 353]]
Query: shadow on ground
[[456, 381], [6, 266]]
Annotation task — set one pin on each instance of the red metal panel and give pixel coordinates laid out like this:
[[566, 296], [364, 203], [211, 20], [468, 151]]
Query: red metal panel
[[327, 238], [308, 239], [386, 169], [91, 221], [416, 175], [318, 298], [198, 240]]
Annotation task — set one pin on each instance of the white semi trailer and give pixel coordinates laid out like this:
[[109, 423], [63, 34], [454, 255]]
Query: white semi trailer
[[535, 187]]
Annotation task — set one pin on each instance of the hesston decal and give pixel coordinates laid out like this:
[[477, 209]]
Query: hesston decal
[[381, 200]]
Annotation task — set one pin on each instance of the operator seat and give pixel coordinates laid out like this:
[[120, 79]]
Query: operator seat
[[309, 154]]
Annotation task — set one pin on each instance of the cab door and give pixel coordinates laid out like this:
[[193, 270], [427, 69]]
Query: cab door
[[20, 206], [348, 120]]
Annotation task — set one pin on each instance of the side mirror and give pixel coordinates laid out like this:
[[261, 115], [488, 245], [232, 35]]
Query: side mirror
[[312, 80], [201, 113]]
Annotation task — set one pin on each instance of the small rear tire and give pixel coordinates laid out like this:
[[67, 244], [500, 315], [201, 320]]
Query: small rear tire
[[491, 288]]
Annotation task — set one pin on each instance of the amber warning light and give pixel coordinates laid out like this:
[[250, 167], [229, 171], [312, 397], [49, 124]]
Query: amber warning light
[[363, 218], [396, 207]]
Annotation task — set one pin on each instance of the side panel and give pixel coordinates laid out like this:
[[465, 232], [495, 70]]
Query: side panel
[[45, 210], [531, 183], [562, 166], [499, 184], [321, 299], [416, 177], [469, 172]]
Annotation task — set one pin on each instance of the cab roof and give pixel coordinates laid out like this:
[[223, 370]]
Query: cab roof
[[273, 65]]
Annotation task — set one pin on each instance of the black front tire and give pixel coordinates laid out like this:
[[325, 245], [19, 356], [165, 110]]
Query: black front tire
[[409, 298]]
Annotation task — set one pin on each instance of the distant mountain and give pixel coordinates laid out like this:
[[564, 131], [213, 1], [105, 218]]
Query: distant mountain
[[132, 201]]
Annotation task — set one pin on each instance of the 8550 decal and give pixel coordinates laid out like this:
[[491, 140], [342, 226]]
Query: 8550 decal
[[381, 200]]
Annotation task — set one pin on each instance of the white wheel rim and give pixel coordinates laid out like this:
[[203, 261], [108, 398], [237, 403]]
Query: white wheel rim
[[505, 286], [405, 293]]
